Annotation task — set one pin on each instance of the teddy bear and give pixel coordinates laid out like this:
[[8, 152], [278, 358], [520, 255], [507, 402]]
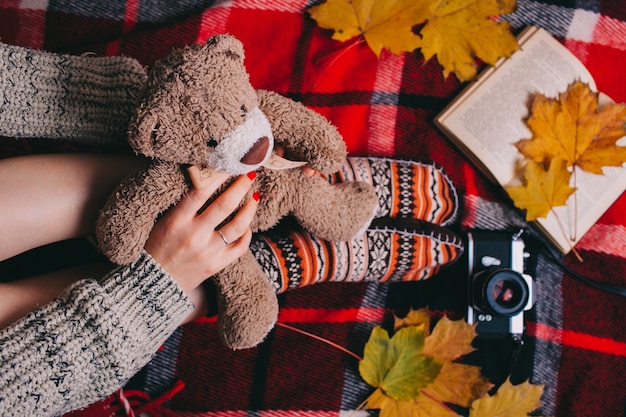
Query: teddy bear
[[199, 109]]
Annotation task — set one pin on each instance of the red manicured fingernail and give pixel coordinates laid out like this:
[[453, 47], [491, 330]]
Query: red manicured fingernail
[[256, 195], [252, 175]]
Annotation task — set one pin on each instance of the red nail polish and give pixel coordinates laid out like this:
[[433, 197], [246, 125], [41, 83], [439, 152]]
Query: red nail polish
[[256, 195], [252, 175]]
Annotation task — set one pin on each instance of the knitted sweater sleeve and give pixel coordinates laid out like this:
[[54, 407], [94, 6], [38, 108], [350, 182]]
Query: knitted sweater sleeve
[[88, 342]]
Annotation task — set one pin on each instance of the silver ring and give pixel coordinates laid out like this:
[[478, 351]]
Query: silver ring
[[226, 242]]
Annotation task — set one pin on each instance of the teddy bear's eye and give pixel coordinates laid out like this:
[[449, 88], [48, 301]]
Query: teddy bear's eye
[[244, 111], [211, 143]]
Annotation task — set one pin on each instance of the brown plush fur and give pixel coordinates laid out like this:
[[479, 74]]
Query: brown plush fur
[[194, 102]]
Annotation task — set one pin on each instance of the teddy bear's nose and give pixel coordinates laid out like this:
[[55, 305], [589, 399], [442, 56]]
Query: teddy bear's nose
[[257, 152]]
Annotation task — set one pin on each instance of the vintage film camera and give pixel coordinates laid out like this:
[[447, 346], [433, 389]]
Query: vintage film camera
[[499, 289]]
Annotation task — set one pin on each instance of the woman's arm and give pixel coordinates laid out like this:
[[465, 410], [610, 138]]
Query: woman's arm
[[88, 342]]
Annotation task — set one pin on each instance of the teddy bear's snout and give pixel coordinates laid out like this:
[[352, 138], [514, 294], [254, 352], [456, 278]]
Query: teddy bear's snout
[[257, 152], [245, 148]]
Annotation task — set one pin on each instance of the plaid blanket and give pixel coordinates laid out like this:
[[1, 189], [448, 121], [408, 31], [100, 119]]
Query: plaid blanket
[[575, 342]]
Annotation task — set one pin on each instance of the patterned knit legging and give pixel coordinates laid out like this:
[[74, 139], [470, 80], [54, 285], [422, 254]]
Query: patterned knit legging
[[406, 241]]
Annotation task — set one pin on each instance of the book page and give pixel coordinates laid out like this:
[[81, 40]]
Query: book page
[[594, 194], [490, 116]]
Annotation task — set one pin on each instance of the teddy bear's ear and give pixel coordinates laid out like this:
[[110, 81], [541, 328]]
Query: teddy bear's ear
[[143, 133], [226, 45]]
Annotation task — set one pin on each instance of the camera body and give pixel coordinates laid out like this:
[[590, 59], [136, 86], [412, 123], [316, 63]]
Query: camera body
[[499, 290]]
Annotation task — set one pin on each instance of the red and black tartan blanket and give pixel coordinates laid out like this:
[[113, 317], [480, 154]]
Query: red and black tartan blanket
[[575, 342]]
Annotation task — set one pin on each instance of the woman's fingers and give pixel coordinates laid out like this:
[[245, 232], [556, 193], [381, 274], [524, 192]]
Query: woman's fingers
[[185, 241], [239, 225], [227, 202], [196, 198]]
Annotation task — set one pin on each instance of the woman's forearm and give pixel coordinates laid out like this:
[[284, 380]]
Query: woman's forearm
[[102, 331]]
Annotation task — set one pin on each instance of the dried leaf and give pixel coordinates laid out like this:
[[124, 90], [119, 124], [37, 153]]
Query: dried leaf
[[509, 401], [383, 24], [413, 372], [574, 129], [396, 365], [423, 406], [457, 31], [459, 384], [414, 318], [450, 340], [543, 190]]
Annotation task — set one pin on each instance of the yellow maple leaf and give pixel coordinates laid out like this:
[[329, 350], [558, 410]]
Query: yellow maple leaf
[[449, 340], [458, 31], [413, 372], [413, 318], [383, 24], [396, 365], [543, 190], [459, 384], [574, 129], [420, 407], [509, 401]]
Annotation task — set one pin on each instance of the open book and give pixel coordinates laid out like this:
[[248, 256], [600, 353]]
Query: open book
[[489, 116]]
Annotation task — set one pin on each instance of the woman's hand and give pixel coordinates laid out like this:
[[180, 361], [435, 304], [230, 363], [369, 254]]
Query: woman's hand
[[185, 241]]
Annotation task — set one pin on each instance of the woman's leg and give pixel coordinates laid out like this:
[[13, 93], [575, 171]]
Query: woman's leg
[[49, 198], [18, 298]]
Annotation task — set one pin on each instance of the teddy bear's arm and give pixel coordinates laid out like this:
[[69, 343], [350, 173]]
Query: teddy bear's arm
[[305, 134], [129, 214]]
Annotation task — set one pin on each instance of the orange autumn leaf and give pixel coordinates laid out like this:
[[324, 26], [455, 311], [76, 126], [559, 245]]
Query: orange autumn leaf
[[509, 401], [450, 340], [459, 384], [383, 24], [575, 129], [458, 31], [543, 189]]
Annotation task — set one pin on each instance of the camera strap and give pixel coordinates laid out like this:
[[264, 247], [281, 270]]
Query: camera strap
[[557, 258]]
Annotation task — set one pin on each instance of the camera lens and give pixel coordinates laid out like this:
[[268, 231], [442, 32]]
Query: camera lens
[[502, 292]]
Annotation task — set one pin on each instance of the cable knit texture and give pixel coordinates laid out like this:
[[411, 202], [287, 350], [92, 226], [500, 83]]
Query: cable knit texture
[[71, 97], [90, 341]]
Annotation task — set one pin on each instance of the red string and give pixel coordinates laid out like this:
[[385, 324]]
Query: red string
[[131, 403]]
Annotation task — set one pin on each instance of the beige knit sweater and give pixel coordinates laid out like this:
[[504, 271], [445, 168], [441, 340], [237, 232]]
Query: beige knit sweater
[[90, 341], [79, 98], [87, 343]]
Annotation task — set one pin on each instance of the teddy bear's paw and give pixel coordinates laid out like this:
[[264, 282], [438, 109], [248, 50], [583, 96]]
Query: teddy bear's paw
[[405, 188], [304, 134], [244, 321], [120, 247], [247, 304]]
